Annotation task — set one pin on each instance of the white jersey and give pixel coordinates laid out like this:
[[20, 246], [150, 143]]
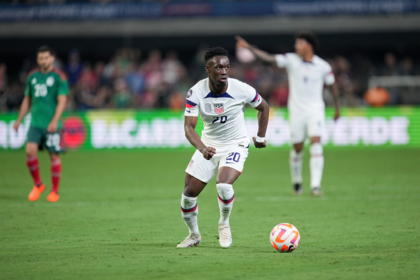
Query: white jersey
[[306, 82], [223, 115]]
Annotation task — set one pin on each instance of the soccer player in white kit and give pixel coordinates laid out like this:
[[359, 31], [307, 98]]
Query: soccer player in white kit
[[307, 74], [224, 143]]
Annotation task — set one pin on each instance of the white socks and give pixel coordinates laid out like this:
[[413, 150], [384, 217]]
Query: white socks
[[189, 211], [226, 197], [316, 164], [295, 161], [189, 208]]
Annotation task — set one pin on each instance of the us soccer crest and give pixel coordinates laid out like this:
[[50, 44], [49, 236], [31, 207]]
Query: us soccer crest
[[218, 108]]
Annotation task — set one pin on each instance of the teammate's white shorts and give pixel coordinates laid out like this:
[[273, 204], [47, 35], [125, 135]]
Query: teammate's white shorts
[[306, 125], [204, 170]]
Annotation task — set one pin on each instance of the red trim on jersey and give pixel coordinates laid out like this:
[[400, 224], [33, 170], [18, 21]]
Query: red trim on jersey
[[33, 71], [60, 73]]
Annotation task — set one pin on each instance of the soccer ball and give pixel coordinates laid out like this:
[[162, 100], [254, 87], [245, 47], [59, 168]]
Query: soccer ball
[[284, 238]]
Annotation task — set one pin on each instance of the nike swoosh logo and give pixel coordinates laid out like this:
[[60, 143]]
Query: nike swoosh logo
[[188, 111]]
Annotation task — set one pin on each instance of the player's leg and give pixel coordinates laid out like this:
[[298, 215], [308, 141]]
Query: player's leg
[[55, 177], [189, 210], [316, 163], [198, 173], [54, 145], [231, 166], [298, 134], [34, 138]]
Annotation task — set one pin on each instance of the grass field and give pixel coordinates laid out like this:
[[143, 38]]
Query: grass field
[[119, 218]]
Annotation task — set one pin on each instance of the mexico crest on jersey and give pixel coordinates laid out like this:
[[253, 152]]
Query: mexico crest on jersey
[[218, 108]]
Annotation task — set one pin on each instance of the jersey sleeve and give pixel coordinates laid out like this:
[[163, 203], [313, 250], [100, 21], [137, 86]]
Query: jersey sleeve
[[253, 98], [329, 78], [282, 60], [28, 88], [191, 109], [63, 86]]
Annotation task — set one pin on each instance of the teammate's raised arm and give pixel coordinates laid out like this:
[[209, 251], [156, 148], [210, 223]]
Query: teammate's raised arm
[[189, 126], [260, 54], [263, 113]]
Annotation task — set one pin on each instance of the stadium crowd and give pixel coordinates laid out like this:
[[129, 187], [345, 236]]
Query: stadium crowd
[[161, 80]]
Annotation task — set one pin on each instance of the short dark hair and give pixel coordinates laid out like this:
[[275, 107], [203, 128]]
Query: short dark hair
[[212, 52], [309, 37], [45, 48]]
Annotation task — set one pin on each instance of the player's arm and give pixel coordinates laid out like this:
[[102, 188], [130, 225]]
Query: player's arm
[[24, 109], [334, 90], [190, 123], [26, 104], [329, 81], [263, 113], [260, 54], [61, 105]]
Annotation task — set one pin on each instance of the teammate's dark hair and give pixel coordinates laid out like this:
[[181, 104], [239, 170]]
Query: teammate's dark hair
[[216, 51], [45, 48], [309, 37]]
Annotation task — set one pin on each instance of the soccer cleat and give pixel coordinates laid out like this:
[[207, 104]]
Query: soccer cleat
[[225, 236], [316, 191], [53, 197], [36, 192], [194, 239], [297, 189]]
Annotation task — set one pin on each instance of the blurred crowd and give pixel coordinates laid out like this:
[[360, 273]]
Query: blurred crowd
[[132, 79]]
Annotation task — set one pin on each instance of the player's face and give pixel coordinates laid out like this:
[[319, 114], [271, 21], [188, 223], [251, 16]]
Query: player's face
[[218, 69], [45, 60], [302, 47]]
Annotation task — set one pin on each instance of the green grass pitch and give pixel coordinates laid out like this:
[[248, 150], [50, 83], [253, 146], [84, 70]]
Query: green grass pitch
[[119, 218]]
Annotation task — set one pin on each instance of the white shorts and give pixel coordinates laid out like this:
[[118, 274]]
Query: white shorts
[[204, 170], [306, 125]]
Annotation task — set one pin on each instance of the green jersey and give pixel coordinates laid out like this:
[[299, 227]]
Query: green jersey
[[44, 89]]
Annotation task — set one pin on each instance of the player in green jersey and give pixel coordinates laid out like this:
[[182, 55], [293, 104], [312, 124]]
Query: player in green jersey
[[46, 93]]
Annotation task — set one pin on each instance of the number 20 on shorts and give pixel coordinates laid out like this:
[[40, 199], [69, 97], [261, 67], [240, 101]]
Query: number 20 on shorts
[[233, 157]]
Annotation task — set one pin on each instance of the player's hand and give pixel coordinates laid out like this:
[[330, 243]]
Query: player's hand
[[241, 43], [16, 126], [259, 145], [208, 152], [52, 127], [336, 115]]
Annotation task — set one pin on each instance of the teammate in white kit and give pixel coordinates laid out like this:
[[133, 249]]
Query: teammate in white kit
[[224, 143], [307, 73]]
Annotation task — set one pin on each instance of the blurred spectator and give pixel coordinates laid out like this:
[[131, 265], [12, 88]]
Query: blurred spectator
[[135, 79], [390, 65], [12, 97], [99, 74], [84, 96], [344, 81], [279, 95], [173, 69], [163, 96], [406, 67], [88, 77], [74, 67], [122, 96], [3, 77]]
